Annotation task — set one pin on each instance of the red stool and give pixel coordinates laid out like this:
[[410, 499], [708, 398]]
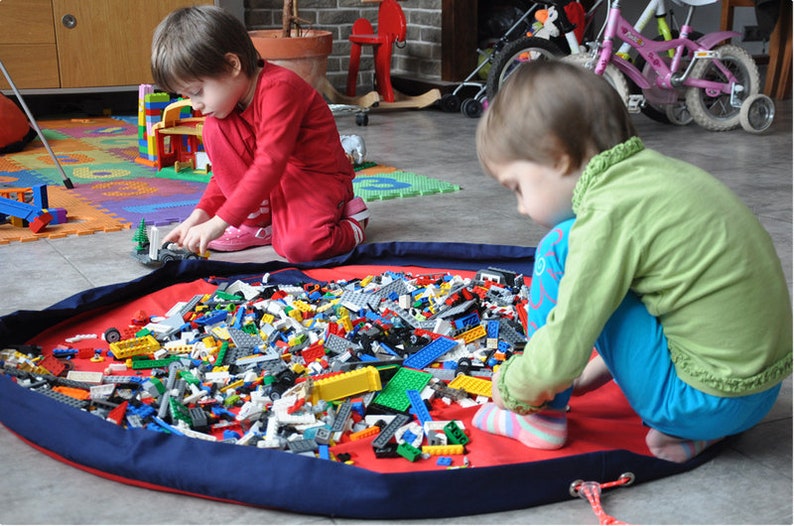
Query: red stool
[[391, 29]]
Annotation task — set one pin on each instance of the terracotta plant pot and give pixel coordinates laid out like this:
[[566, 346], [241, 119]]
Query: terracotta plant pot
[[306, 55]]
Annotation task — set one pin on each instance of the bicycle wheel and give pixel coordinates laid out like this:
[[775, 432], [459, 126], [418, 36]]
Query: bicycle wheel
[[611, 73], [714, 111], [672, 113], [514, 54]]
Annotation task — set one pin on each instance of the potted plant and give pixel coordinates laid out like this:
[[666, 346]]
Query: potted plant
[[303, 50]]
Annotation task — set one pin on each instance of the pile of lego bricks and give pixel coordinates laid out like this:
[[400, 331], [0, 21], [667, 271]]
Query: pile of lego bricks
[[378, 367]]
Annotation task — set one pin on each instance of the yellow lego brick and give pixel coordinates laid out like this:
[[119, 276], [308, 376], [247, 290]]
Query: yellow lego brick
[[345, 322], [451, 449], [473, 334], [327, 306], [472, 385], [341, 386], [222, 333], [174, 348], [233, 385], [302, 306], [134, 347]]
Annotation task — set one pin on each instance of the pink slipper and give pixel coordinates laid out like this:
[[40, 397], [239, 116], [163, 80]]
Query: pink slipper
[[234, 239], [357, 209]]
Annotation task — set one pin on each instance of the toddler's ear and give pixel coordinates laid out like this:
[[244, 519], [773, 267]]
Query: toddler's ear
[[564, 164]]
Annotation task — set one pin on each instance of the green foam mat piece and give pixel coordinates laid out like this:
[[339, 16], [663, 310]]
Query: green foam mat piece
[[397, 184]]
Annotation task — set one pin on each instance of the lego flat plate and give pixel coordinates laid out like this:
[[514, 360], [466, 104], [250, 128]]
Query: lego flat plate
[[606, 438]]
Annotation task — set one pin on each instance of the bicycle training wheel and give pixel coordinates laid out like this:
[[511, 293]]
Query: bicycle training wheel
[[515, 53], [757, 113], [714, 110]]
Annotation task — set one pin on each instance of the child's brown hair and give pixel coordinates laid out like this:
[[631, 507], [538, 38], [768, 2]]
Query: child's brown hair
[[192, 43], [548, 109]]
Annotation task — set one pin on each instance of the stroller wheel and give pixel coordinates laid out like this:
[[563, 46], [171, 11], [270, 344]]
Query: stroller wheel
[[450, 103], [471, 108]]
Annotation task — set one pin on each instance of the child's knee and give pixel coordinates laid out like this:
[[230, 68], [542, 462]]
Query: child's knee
[[297, 249]]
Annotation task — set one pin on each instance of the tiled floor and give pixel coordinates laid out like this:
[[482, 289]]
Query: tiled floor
[[750, 482]]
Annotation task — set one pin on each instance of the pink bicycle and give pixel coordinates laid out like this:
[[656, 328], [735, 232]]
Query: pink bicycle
[[714, 84]]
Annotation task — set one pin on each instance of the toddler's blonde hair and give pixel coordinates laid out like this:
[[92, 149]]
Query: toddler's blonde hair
[[548, 109]]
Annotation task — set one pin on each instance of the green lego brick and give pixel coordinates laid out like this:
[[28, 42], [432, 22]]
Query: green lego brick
[[394, 394]]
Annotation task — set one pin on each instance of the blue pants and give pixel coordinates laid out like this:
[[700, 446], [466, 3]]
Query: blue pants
[[635, 351]]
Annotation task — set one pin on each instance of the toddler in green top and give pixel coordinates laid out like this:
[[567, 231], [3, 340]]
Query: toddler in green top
[[649, 260]]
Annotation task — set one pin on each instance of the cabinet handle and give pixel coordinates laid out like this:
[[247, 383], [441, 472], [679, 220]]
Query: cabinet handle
[[69, 21]]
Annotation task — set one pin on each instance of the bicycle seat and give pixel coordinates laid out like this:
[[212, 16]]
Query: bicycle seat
[[695, 3]]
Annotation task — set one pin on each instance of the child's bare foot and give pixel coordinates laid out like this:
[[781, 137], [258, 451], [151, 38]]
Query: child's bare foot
[[675, 449], [595, 375]]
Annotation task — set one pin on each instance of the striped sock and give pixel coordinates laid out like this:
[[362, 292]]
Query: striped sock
[[675, 449], [547, 429]]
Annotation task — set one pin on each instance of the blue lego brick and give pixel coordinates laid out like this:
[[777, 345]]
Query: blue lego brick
[[429, 353], [418, 405]]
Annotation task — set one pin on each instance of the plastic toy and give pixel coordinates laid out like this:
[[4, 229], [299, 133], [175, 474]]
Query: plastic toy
[[355, 148], [149, 251], [177, 139], [35, 215]]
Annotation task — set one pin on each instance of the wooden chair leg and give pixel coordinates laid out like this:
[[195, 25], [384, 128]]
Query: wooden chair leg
[[352, 69], [383, 72]]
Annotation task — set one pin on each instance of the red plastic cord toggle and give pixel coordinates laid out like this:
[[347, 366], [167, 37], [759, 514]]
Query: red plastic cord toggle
[[591, 491]]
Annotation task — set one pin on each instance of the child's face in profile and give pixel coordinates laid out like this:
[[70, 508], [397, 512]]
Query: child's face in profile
[[544, 192], [218, 96]]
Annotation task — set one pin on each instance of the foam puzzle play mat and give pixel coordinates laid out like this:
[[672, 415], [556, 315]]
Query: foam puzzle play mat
[[353, 380], [115, 183]]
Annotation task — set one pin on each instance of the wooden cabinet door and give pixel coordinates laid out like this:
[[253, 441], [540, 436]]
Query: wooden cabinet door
[[27, 44], [108, 42]]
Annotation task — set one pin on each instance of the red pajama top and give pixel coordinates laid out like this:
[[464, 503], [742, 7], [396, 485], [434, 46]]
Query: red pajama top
[[294, 135]]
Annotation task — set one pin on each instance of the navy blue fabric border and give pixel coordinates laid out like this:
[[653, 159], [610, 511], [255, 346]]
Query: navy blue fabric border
[[277, 479]]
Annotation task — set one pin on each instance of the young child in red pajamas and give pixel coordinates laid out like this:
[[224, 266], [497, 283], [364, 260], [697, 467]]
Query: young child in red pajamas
[[279, 172]]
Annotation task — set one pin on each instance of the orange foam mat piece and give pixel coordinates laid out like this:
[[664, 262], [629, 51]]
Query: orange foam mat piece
[[82, 219]]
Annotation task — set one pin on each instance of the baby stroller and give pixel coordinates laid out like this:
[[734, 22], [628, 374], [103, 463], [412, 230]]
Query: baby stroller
[[543, 45]]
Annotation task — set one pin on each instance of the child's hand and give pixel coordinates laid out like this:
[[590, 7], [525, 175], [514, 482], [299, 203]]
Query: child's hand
[[178, 234], [198, 237]]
